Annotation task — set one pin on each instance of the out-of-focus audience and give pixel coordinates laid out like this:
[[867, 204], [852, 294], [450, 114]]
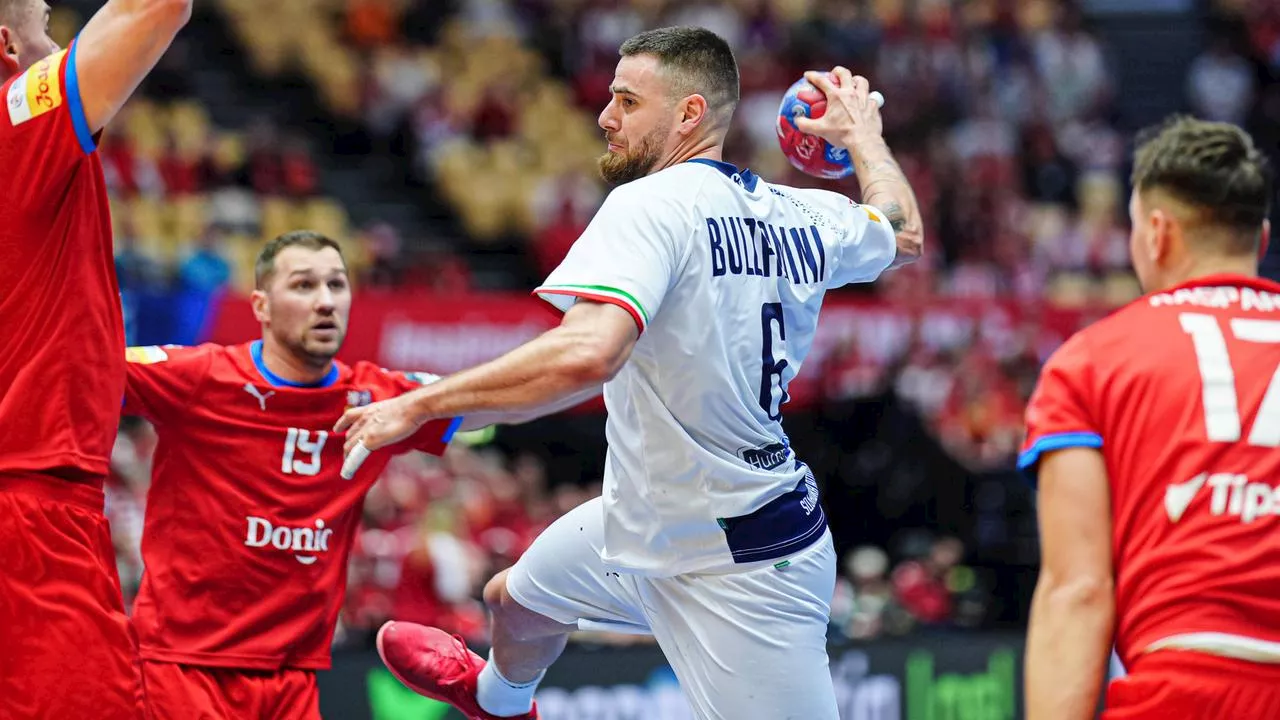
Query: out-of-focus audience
[[1002, 114]]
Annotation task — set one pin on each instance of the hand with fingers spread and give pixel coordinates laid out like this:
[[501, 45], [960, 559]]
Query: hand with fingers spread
[[373, 427], [852, 116]]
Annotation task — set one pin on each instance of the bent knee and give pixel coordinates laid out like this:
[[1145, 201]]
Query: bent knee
[[495, 592], [516, 620]]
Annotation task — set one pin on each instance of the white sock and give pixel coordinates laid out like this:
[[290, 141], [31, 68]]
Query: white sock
[[499, 696]]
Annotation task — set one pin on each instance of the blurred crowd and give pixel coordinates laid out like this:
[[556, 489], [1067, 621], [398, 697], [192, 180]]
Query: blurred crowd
[[1003, 113], [1005, 130]]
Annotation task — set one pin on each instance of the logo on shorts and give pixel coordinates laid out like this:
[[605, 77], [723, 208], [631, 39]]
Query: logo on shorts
[[304, 542]]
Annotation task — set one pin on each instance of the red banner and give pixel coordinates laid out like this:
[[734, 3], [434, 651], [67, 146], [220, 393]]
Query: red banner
[[444, 334]]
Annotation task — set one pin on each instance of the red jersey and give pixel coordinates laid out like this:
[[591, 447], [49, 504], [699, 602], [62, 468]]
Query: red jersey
[[61, 328], [1180, 391], [249, 524]]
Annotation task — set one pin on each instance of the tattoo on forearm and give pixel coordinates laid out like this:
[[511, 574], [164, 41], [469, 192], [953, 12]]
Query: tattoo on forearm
[[885, 164], [896, 216], [885, 186]]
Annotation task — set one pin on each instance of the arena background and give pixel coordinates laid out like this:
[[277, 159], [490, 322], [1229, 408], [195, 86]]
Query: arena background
[[450, 146]]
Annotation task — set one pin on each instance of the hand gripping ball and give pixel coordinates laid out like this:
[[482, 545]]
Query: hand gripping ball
[[811, 154]]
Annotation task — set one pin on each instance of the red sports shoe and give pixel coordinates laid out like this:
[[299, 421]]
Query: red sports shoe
[[434, 663]]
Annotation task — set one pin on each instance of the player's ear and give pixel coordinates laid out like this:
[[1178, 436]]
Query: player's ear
[[1264, 240], [9, 52], [260, 305], [694, 111], [1158, 241]]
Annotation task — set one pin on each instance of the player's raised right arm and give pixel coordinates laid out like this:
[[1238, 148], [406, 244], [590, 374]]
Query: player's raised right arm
[[852, 121], [121, 43]]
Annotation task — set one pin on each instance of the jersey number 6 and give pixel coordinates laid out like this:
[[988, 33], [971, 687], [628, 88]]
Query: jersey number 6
[[771, 368], [1218, 380]]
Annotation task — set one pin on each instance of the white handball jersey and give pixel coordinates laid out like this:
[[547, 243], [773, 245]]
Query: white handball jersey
[[724, 274]]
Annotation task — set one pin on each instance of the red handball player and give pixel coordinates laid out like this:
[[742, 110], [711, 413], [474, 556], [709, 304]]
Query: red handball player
[[249, 525], [1154, 436], [65, 646]]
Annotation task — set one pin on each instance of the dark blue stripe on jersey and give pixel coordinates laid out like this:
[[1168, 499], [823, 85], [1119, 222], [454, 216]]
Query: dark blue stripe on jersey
[[1029, 460], [273, 379], [76, 104], [782, 527], [743, 177]]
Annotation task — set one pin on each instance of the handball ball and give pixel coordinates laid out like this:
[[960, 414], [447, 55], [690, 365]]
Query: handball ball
[[810, 154]]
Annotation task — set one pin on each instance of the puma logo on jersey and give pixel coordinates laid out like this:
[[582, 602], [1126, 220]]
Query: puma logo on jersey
[[1232, 495], [262, 399]]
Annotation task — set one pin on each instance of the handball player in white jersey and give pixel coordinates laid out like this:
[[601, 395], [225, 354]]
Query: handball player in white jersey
[[693, 297]]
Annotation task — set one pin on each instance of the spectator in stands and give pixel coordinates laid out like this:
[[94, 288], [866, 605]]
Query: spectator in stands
[[1220, 84], [920, 585], [440, 576], [864, 606], [205, 270]]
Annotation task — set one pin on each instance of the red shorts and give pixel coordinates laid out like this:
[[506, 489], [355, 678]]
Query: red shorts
[[1178, 685], [191, 692], [66, 647]]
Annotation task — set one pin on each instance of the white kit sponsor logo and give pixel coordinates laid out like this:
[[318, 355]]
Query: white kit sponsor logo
[[304, 542]]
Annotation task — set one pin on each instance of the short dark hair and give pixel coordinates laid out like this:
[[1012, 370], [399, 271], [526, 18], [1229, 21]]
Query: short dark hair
[[694, 60], [1211, 167], [265, 266], [8, 11]]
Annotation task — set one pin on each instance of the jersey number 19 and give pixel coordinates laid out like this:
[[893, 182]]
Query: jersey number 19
[[299, 441]]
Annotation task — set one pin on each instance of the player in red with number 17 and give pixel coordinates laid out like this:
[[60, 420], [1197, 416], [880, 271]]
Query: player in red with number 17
[[1154, 437], [65, 646]]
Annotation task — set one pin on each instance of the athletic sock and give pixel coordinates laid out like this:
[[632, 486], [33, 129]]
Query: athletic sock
[[499, 696]]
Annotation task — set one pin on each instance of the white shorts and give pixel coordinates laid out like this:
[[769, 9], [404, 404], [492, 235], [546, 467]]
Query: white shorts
[[750, 644]]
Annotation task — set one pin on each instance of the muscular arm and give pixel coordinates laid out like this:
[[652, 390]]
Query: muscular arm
[[549, 372], [884, 186], [478, 420], [1073, 610], [118, 47]]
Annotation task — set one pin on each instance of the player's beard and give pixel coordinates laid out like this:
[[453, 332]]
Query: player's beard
[[620, 168], [315, 353]]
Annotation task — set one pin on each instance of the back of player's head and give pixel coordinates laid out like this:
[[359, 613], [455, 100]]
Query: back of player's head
[[1214, 171], [265, 267], [694, 61], [9, 10]]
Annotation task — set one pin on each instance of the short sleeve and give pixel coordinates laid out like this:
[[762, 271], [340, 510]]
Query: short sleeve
[[1060, 414], [44, 110], [433, 437], [627, 256], [863, 243], [162, 382]]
